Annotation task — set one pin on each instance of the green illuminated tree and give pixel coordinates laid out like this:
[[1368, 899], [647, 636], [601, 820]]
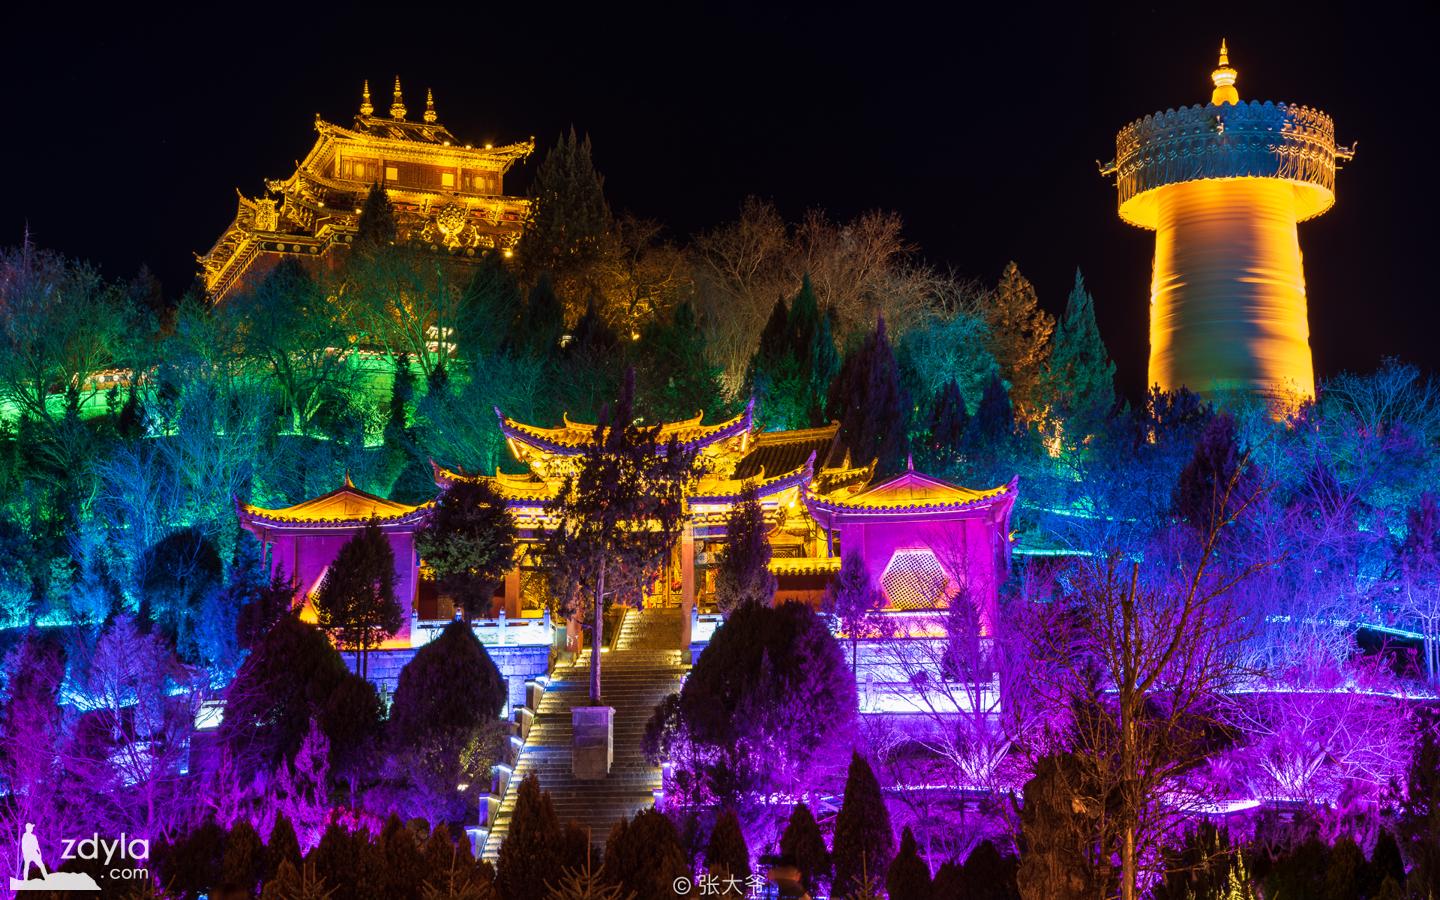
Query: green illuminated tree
[[1080, 374], [1020, 333], [469, 542], [870, 404]]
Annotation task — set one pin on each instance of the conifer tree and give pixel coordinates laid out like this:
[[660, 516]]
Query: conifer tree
[[908, 877], [864, 842], [775, 378], [243, 863], [538, 329], [727, 856], [675, 374], [1020, 333], [356, 600], [994, 419], [529, 854], [283, 846], [945, 430], [375, 229], [1080, 373], [870, 403], [803, 843], [852, 600], [468, 541], [743, 575], [569, 216], [643, 856]]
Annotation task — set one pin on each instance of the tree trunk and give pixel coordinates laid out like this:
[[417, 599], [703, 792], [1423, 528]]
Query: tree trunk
[[597, 638]]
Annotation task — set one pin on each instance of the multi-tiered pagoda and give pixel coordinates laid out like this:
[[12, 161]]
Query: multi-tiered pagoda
[[448, 196]]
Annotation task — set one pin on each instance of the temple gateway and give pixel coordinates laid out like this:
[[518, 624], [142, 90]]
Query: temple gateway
[[924, 541]]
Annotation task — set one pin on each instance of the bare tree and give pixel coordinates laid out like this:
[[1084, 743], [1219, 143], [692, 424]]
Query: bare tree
[[1143, 656]]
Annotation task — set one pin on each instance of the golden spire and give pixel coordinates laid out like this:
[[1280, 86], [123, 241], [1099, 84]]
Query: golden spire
[[429, 105], [366, 107], [1224, 78], [397, 108]]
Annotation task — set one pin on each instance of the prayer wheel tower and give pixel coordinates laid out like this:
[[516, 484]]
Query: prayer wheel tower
[[1222, 186]]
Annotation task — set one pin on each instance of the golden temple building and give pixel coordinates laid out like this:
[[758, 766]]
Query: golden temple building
[[448, 196]]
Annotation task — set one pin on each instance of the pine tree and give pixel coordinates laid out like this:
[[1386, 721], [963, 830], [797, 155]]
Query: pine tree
[[356, 599], [375, 229], [908, 877], [727, 856], [1210, 487], [803, 843], [243, 864], [744, 575], [864, 842], [1020, 333], [468, 541], [569, 216], [282, 846], [1081, 376], [402, 401], [775, 378], [529, 854], [538, 328], [868, 400]]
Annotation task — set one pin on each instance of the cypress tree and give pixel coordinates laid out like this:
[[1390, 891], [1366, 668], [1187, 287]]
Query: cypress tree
[[375, 229], [743, 575], [868, 400], [675, 374], [356, 599], [727, 856], [803, 843], [986, 876], [776, 379], [908, 877], [949, 883], [1204, 494], [537, 331], [1081, 375], [282, 846], [569, 216], [243, 863], [530, 852], [864, 842]]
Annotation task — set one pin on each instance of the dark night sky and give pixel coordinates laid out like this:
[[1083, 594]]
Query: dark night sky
[[128, 131]]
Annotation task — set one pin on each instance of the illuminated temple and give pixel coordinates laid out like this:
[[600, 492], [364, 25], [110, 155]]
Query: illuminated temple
[[448, 196], [922, 539], [1223, 185]]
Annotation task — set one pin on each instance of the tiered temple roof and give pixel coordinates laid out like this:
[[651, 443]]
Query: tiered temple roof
[[345, 507], [910, 493], [447, 196]]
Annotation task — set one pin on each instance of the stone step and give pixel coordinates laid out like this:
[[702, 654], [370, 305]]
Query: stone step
[[644, 667]]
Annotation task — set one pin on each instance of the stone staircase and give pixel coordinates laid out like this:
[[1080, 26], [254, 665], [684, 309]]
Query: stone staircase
[[644, 666]]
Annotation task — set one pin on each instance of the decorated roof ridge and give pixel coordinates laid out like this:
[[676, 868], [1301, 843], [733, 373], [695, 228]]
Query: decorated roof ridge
[[303, 513], [950, 497], [764, 486], [438, 132], [569, 439], [505, 482], [795, 435]]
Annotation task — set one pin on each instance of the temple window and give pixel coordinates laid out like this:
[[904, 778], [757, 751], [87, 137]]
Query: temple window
[[392, 173], [447, 179]]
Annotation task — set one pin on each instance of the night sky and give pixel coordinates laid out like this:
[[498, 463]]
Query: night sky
[[127, 132]]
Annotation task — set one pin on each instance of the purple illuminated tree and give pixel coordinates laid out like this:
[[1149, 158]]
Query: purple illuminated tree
[[863, 843], [803, 843], [617, 518], [853, 602], [726, 855]]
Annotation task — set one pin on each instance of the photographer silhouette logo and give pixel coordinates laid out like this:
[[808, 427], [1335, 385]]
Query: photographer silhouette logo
[[31, 860]]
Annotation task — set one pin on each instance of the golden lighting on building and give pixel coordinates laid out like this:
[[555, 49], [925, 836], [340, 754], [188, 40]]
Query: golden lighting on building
[[1222, 186]]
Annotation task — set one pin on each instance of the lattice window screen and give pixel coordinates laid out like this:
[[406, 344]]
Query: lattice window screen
[[914, 579]]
